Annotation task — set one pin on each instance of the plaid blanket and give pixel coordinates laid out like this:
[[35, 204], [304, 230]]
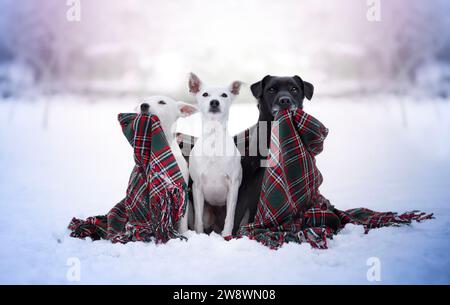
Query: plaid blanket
[[291, 208], [156, 196]]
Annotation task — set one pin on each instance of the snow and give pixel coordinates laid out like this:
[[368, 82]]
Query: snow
[[65, 156]]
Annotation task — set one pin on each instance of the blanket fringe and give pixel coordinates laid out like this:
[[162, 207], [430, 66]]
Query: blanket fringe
[[319, 226]]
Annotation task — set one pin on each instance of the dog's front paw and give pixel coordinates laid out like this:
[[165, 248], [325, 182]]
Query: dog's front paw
[[226, 233], [183, 225], [182, 229], [199, 229]]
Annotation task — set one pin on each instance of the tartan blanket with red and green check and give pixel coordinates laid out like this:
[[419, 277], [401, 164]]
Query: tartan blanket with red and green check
[[291, 207], [156, 196]]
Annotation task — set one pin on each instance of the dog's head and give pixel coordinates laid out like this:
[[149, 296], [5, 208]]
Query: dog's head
[[167, 110], [213, 102], [275, 93]]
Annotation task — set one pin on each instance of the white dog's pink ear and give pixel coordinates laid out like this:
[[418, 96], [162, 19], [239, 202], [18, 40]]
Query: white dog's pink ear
[[194, 83], [186, 109], [235, 87]]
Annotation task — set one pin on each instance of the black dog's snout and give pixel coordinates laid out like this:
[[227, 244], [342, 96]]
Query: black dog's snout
[[284, 101], [214, 103], [145, 107]]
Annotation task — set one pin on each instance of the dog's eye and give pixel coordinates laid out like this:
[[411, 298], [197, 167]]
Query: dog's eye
[[294, 89], [161, 102], [224, 95], [271, 90], [205, 94]]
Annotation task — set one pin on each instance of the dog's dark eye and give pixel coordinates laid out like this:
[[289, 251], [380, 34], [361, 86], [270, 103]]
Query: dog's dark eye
[[294, 89], [224, 95], [161, 102], [205, 94], [271, 90]]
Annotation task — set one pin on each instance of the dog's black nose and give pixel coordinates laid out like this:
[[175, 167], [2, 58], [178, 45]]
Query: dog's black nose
[[145, 107], [214, 103], [284, 101]]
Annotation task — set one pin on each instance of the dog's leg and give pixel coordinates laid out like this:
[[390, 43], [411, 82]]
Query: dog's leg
[[208, 218], [199, 204], [245, 219], [191, 216], [183, 226], [231, 207]]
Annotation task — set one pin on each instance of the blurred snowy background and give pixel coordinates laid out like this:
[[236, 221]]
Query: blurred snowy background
[[382, 88], [141, 47]]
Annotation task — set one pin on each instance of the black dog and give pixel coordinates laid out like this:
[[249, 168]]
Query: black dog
[[273, 93]]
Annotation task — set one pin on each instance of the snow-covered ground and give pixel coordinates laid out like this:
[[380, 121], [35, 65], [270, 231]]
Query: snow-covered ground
[[385, 153]]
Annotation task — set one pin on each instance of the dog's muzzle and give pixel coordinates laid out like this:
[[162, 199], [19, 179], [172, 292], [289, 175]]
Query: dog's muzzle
[[214, 106], [145, 108], [284, 102]]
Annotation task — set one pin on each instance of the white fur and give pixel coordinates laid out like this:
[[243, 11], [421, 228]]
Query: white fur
[[215, 162], [168, 115]]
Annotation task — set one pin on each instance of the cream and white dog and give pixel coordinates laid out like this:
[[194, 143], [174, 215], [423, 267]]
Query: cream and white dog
[[168, 111]]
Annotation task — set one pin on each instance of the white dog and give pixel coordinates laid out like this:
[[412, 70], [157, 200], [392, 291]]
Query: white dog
[[214, 162], [168, 111]]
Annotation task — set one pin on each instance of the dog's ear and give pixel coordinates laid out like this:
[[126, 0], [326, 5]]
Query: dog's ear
[[308, 88], [194, 83], [235, 87], [186, 109], [258, 87]]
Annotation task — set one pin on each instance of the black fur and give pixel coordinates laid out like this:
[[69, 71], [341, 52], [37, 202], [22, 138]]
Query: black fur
[[271, 92]]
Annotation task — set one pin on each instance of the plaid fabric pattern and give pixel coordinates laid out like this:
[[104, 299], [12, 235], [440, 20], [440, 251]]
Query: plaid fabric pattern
[[156, 196], [291, 207]]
